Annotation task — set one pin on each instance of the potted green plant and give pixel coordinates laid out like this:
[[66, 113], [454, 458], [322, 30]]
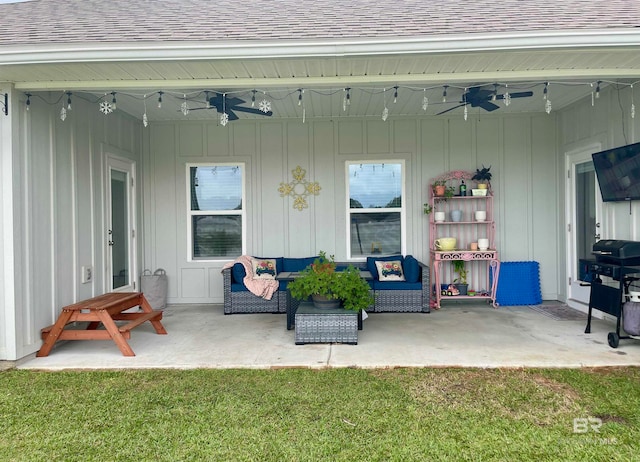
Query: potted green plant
[[461, 281], [439, 187], [321, 280], [483, 177]]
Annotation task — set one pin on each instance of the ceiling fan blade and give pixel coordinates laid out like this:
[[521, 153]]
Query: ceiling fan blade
[[488, 106], [450, 109], [252, 110], [521, 94], [232, 115]]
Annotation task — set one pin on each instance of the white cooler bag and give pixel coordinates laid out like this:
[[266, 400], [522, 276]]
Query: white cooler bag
[[631, 318], [154, 286]]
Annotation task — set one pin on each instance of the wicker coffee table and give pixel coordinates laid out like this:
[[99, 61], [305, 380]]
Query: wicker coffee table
[[325, 325]]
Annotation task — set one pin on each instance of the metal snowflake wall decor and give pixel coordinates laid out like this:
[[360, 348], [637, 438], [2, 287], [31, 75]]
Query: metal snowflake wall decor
[[299, 188], [106, 108]]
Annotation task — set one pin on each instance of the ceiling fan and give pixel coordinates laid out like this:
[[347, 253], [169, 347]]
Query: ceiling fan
[[482, 97], [229, 105]]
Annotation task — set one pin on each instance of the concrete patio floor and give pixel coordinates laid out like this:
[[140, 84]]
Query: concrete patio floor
[[458, 335]]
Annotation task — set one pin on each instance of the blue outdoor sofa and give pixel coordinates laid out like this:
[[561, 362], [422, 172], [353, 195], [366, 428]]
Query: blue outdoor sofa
[[410, 295]]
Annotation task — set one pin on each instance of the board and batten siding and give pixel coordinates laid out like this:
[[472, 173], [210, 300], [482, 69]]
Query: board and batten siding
[[522, 150], [57, 177]]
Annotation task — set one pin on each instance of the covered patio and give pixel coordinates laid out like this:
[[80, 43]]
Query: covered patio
[[97, 94], [459, 335]]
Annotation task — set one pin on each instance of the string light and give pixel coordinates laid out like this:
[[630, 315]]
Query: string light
[[346, 101], [207, 102], [598, 89], [385, 111], [547, 104], [299, 96], [395, 94], [444, 94], [545, 92], [68, 101], [28, 103], [494, 95], [160, 93], [253, 98], [113, 101]]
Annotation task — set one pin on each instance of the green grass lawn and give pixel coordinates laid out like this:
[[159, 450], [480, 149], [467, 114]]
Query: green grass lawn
[[311, 415]]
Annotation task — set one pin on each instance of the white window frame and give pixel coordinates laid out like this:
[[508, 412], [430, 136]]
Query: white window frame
[[402, 210], [191, 213]]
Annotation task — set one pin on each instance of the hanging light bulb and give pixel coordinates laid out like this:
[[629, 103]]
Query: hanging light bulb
[[506, 98], [444, 94], [299, 96], [207, 103], [28, 102], [160, 93], [346, 101], [145, 119], [598, 89], [545, 92], [494, 95], [68, 100], [253, 98], [113, 101], [395, 94]]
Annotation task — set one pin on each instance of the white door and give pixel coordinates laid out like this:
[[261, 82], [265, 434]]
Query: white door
[[121, 239], [584, 212]]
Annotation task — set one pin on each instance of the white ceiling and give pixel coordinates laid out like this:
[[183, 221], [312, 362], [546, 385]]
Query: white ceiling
[[323, 79]]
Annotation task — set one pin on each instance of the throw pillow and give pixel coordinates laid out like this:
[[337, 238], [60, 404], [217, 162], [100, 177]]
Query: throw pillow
[[264, 269], [411, 269], [390, 270]]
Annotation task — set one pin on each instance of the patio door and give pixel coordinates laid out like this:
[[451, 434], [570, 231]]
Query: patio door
[[120, 220], [584, 212]]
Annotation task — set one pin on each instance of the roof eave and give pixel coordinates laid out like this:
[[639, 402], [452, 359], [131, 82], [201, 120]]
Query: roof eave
[[283, 49]]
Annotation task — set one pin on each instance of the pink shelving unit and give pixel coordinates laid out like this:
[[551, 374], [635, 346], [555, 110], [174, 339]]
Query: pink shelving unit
[[479, 263]]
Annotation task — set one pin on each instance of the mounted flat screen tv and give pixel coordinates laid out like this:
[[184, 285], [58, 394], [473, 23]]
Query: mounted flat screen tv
[[618, 172]]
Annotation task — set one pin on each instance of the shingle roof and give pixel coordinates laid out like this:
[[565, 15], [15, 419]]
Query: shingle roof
[[76, 21]]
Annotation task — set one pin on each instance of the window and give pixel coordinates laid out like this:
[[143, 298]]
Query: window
[[216, 210], [376, 212]]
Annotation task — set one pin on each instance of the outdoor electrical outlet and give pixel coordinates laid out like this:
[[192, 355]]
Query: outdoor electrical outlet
[[87, 274]]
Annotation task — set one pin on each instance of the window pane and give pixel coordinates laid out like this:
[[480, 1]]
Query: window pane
[[217, 236], [375, 185], [375, 233], [216, 187]]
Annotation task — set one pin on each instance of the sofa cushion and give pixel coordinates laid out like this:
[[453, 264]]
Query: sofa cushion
[[371, 263], [238, 273], [390, 270], [238, 287], [411, 269], [396, 285], [297, 264], [264, 268]]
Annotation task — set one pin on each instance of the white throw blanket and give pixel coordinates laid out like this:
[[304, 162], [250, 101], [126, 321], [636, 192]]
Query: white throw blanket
[[264, 288]]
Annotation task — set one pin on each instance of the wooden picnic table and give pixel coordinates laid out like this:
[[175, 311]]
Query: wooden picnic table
[[104, 309]]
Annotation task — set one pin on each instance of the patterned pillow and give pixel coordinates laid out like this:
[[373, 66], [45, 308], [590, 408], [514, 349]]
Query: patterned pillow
[[390, 270], [264, 269]]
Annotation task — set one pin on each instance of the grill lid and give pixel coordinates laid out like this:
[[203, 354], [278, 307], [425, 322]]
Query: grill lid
[[617, 249]]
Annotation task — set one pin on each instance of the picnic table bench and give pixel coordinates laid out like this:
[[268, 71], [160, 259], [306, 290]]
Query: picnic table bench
[[103, 309]]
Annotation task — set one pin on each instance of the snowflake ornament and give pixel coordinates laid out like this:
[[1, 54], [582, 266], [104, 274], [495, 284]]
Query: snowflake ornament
[[224, 119], [63, 114], [184, 107], [106, 107], [385, 114], [506, 98], [145, 120], [265, 106], [547, 106], [425, 103]]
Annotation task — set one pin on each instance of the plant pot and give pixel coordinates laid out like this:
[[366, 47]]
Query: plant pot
[[320, 301], [439, 190], [483, 185], [462, 288]]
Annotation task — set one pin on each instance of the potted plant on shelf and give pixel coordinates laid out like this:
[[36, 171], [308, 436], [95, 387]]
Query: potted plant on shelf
[[461, 281], [483, 177], [331, 288], [440, 188]]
